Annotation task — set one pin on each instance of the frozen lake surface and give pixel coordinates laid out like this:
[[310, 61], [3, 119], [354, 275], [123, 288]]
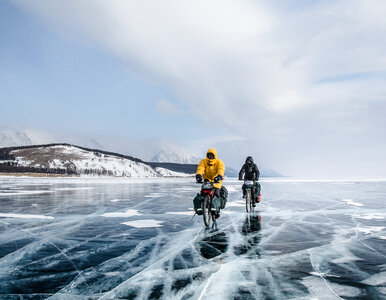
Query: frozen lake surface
[[73, 238]]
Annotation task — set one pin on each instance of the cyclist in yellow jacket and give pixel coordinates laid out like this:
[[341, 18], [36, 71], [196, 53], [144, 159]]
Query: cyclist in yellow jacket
[[213, 169]]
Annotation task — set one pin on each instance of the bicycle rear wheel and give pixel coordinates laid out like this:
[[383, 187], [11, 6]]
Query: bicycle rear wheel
[[206, 210], [248, 201]]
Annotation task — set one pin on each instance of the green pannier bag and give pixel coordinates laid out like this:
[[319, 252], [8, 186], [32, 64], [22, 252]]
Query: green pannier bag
[[197, 201], [257, 189], [216, 204], [223, 196]]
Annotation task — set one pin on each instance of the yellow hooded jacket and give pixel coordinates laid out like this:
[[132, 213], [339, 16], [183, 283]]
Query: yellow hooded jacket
[[210, 168]]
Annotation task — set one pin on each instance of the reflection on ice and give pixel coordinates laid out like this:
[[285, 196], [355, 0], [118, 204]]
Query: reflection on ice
[[75, 241], [213, 244]]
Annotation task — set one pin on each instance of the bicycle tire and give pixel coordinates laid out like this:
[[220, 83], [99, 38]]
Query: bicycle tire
[[206, 210], [248, 201]]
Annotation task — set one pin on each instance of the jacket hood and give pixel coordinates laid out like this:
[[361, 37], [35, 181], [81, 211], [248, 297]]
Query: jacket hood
[[249, 160], [213, 151]]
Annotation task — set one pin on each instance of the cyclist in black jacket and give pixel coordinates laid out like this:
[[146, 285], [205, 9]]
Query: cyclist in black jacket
[[250, 172]]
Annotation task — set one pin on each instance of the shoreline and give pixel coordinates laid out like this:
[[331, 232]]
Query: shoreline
[[30, 174]]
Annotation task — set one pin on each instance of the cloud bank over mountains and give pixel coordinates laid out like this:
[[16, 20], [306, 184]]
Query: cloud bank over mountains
[[304, 81], [232, 56]]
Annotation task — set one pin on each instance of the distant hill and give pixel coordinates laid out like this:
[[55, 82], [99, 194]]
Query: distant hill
[[74, 160], [70, 159]]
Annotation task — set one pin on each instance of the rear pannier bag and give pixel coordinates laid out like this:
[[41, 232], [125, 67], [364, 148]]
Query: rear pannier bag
[[197, 201], [216, 204], [197, 204], [257, 189], [223, 196]]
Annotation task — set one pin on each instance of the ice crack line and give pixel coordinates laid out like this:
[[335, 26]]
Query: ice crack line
[[321, 275], [57, 248], [208, 283], [147, 268]]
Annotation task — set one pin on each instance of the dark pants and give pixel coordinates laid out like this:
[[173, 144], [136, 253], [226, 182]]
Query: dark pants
[[217, 192]]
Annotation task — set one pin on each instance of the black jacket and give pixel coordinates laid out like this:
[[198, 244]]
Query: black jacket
[[250, 170]]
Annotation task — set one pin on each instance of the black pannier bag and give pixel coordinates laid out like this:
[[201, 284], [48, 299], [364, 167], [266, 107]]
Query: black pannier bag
[[223, 196], [197, 204]]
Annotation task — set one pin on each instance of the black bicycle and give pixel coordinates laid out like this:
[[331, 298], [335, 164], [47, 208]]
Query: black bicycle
[[249, 186], [207, 193]]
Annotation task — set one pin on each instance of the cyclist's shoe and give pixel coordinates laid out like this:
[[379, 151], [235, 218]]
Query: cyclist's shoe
[[253, 204], [244, 196]]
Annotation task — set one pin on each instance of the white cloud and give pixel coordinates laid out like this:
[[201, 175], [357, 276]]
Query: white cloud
[[165, 107], [250, 64], [219, 52]]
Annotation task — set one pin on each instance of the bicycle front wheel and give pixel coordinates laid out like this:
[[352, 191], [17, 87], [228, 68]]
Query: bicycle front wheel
[[248, 201], [206, 213]]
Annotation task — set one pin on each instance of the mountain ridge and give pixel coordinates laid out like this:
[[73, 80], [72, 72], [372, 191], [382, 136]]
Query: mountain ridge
[[62, 164], [64, 158]]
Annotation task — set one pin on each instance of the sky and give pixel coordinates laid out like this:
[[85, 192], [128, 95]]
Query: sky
[[299, 85]]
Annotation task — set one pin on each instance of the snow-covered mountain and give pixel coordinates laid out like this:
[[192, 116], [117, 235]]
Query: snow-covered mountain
[[14, 138], [26, 137], [69, 159], [174, 157], [151, 150]]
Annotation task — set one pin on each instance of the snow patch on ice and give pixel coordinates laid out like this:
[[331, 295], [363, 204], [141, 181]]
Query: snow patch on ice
[[238, 203], [155, 195], [73, 189], [352, 202], [370, 229], [377, 216], [188, 213], [127, 213], [112, 274], [24, 216], [26, 192], [232, 188], [227, 212], [143, 223]]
